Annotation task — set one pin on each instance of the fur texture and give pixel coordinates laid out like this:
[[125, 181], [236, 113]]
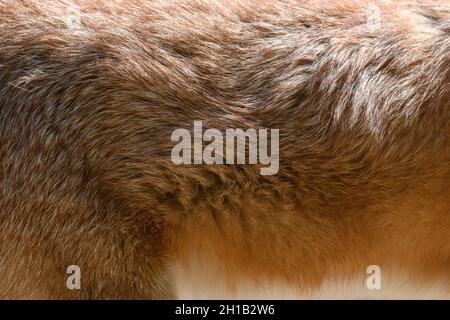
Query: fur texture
[[88, 103]]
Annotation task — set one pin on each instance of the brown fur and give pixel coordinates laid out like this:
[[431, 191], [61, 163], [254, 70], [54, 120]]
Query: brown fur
[[86, 116]]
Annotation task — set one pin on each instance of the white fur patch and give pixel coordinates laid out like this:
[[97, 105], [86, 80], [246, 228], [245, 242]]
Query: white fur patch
[[198, 283]]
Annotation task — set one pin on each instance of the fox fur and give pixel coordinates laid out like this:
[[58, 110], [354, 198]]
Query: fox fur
[[90, 92]]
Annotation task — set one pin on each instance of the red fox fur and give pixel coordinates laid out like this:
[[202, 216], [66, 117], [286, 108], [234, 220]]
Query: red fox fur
[[90, 92]]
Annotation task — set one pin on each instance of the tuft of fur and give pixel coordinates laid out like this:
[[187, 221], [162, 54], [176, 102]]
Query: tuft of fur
[[90, 92]]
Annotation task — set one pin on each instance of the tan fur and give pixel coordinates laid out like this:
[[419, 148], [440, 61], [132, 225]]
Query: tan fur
[[86, 115]]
